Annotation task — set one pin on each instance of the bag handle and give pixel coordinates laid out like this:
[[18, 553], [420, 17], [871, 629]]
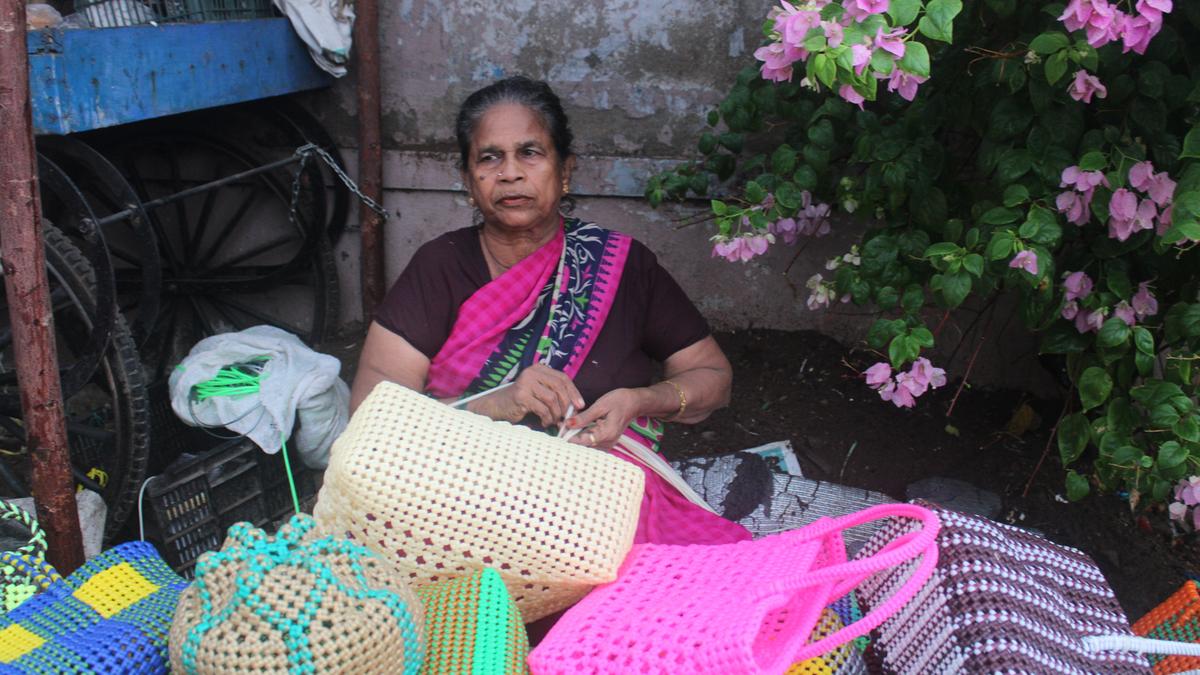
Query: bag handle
[[1131, 643], [842, 577]]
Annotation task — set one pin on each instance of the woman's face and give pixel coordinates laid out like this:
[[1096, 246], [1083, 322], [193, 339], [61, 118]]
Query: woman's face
[[513, 172]]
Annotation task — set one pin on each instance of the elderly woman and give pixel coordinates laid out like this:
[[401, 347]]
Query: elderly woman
[[572, 315]]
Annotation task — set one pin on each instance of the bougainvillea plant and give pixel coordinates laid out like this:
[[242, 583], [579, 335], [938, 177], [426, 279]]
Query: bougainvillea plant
[[1038, 149]]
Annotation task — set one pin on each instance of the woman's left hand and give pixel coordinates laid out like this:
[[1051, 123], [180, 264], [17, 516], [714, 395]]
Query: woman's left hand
[[604, 421]]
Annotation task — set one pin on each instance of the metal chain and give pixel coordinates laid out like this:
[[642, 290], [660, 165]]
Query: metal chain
[[305, 151]]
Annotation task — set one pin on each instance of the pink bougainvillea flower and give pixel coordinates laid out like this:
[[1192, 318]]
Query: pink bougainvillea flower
[[1075, 205], [1140, 175], [899, 396], [1164, 220], [1161, 189], [1104, 25], [815, 221], [1082, 181], [847, 92], [1177, 510], [1025, 260], [729, 249], [834, 33], [1089, 321], [822, 293], [1127, 215], [777, 61], [1123, 204], [1125, 313], [905, 83], [1070, 310], [1077, 14], [861, 9], [785, 228], [794, 26], [891, 42], [878, 374], [757, 245], [860, 57], [1084, 86], [1079, 285], [1144, 303], [1136, 32], [923, 375], [1154, 9]]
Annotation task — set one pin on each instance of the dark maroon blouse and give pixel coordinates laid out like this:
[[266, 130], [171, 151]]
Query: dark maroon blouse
[[651, 318]]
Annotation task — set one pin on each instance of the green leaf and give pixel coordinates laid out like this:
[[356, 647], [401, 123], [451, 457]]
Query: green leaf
[[1191, 144], [1188, 429], [1094, 387], [1171, 454], [938, 22], [731, 142], [955, 288], [783, 160], [713, 118], [824, 69], [882, 331], [902, 350], [1182, 321], [942, 248], [1000, 246], [1093, 161], [973, 263], [1015, 195], [1121, 417], [1113, 333], [887, 297], [1077, 486], [922, 335], [719, 207], [1056, 67], [1164, 416], [708, 143], [1074, 432], [1049, 42], [821, 134], [1000, 216], [903, 12], [916, 59], [755, 193], [1143, 340], [1012, 165]]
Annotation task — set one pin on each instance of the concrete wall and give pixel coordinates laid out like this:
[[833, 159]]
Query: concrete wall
[[636, 77]]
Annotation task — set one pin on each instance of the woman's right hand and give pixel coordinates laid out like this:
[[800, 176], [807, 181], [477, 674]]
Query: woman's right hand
[[538, 390]]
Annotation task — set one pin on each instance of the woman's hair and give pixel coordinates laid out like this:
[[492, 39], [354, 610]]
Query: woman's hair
[[533, 94]]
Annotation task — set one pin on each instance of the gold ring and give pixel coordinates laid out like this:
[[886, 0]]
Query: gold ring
[[591, 438]]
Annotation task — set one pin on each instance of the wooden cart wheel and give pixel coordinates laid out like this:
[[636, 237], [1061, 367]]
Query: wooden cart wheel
[[232, 257]]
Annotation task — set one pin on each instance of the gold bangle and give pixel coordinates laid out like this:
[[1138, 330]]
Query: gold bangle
[[682, 401]]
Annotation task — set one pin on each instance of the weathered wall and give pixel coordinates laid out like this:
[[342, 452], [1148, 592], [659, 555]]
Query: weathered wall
[[636, 77]]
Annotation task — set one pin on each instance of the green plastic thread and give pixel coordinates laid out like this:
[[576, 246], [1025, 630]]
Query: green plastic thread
[[243, 379]]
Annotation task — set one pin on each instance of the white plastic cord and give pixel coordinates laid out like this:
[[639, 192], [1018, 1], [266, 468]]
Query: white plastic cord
[[141, 495], [464, 401], [1130, 643]]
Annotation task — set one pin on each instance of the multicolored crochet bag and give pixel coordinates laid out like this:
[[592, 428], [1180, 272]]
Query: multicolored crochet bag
[[111, 616], [1177, 619], [746, 608], [473, 626], [24, 571], [1002, 599], [296, 603], [844, 659], [444, 493]]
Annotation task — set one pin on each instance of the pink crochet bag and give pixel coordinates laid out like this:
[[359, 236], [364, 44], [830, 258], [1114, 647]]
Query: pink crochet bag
[[748, 607]]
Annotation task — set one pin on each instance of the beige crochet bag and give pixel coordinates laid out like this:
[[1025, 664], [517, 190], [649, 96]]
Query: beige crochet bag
[[444, 493]]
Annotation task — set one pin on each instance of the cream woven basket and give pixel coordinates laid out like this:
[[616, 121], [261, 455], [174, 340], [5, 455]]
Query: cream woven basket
[[444, 493]]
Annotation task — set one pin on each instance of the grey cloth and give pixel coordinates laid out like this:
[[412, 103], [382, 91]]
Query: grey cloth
[[297, 383], [734, 486]]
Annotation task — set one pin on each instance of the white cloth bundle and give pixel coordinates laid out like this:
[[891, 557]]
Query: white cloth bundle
[[296, 382], [326, 27]]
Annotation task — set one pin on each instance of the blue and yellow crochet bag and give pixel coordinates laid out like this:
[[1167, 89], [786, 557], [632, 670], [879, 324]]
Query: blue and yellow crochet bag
[[111, 616]]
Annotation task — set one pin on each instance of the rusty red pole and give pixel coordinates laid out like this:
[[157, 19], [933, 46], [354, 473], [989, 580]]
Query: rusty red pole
[[370, 150], [24, 269]]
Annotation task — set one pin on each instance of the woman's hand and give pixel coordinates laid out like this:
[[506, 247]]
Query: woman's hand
[[538, 390], [605, 420]]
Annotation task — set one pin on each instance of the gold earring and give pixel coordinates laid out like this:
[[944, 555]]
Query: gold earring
[[566, 187], [470, 201]]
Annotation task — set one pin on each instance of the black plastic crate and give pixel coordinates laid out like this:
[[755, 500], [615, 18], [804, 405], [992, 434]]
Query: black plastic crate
[[196, 499]]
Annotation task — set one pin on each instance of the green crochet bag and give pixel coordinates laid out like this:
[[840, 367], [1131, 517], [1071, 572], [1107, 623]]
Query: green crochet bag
[[24, 572], [473, 626]]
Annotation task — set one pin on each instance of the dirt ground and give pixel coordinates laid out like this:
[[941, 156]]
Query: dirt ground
[[802, 386]]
